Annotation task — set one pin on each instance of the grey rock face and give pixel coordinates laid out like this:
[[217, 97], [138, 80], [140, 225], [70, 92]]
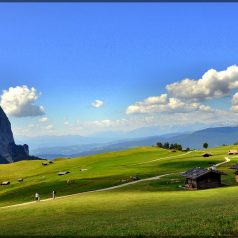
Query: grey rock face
[[6, 136], [9, 151]]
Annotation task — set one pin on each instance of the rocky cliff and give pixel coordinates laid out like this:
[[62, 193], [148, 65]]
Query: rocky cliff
[[9, 151]]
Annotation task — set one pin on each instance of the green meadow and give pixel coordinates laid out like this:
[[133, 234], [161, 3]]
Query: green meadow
[[157, 207]]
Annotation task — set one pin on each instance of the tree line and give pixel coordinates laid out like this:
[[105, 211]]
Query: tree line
[[171, 146]]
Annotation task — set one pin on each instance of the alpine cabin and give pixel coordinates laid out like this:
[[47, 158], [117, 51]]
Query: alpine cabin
[[201, 178], [232, 152], [206, 154]]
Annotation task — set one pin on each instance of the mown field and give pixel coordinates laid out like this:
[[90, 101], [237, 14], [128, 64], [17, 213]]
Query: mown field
[[128, 213], [159, 207]]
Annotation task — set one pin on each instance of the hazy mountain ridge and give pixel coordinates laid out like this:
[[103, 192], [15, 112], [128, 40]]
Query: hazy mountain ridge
[[213, 136]]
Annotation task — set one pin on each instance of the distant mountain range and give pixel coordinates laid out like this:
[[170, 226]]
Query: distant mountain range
[[213, 136]]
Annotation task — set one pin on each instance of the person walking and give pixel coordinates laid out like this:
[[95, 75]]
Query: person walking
[[37, 197], [53, 194]]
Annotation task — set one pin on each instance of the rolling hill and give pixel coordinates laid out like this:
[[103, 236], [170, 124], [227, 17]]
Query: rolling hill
[[156, 207]]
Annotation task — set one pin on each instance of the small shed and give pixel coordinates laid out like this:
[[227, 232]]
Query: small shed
[[232, 152], [235, 166], [5, 183], [201, 178], [63, 173], [206, 154], [20, 180], [44, 163], [134, 178], [83, 170]]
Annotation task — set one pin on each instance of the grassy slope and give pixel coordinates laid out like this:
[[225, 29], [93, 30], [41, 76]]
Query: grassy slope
[[104, 170], [207, 212], [147, 208]]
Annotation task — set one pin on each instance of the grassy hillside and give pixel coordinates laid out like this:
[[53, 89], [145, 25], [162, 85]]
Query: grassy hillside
[[207, 212], [103, 170], [158, 207]]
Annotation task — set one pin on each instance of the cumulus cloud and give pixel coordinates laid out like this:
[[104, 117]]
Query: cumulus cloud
[[234, 102], [19, 102], [97, 103], [163, 103], [44, 119], [213, 84]]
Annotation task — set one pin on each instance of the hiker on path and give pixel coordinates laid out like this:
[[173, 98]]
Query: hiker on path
[[37, 197], [53, 194]]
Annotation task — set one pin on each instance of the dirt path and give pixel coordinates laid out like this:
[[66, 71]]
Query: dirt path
[[226, 161], [106, 189], [151, 161]]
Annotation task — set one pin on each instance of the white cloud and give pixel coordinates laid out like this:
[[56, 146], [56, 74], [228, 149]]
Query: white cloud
[[19, 102], [163, 103], [162, 99], [234, 102], [49, 127], [213, 84], [164, 121], [180, 107], [97, 103], [44, 119], [66, 123]]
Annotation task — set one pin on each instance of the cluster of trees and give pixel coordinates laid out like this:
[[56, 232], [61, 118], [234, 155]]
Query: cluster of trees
[[205, 145], [171, 146], [176, 146]]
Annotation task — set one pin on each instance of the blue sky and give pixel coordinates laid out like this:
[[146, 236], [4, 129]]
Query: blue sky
[[118, 53]]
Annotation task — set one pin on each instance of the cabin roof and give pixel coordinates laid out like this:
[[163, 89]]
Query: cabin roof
[[234, 166], [233, 151], [195, 173], [5, 182], [63, 172], [207, 153]]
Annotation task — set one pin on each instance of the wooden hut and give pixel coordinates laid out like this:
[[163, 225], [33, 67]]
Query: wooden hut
[[201, 178], [5, 183], [235, 166], [63, 173], [232, 152], [206, 154]]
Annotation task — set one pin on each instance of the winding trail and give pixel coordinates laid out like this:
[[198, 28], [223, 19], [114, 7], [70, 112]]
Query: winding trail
[[226, 161], [109, 188], [151, 161]]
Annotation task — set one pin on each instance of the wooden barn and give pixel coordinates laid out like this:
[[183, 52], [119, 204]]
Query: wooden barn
[[206, 154], [63, 173], [5, 183], [235, 166], [232, 152], [201, 178]]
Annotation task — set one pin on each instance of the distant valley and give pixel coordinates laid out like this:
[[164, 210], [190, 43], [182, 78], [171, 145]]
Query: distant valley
[[213, 136]]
